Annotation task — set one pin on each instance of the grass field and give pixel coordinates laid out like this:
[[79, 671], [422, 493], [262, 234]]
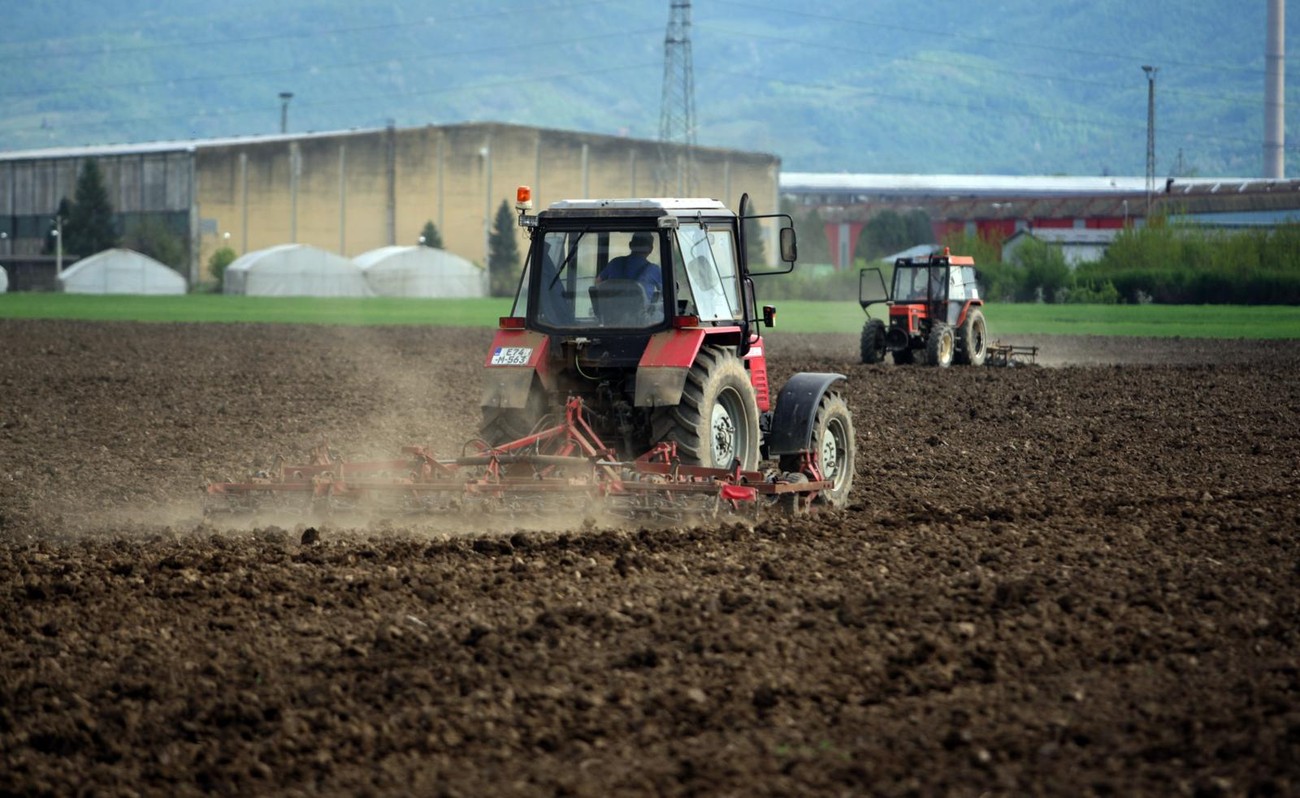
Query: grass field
[[1202, 321]]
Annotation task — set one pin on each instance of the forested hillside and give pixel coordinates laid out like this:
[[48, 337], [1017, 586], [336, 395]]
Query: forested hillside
[[1015, 86]]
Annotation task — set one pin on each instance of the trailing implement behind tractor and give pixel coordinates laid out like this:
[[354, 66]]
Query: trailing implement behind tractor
[[630, 374], [935, 312]]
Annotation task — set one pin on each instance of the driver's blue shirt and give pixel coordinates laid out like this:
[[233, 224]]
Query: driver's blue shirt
[[635, 267]]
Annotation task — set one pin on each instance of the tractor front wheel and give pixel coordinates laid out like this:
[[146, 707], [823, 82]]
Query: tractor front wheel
[[873, 341], [833, 447], [716, 422], [973, 342], [940, 345]]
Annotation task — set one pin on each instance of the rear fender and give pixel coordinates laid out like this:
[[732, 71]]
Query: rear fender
[[965, 311], [796, 410], [668, 357], [512, 361], [661, 373]]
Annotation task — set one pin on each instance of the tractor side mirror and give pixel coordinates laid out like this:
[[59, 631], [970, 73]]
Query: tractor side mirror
[[769, 316], [789, 247]]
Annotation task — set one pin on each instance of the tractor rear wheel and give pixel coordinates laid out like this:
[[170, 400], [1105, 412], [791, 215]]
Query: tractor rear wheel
[[716, 422], [973, 340], [940, 345], [873, 341], [833, 446], [503, 425]]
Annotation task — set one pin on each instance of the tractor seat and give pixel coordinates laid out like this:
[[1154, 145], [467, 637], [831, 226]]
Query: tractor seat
[[620, 303]]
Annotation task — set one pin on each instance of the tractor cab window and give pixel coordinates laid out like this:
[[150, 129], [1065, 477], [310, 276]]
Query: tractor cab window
[[921, 283], [962, 285], [910, 284], [708, 263], [596, 278]]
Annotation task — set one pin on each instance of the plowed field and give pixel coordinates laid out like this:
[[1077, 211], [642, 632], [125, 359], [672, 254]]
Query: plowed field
[[1077, 579]]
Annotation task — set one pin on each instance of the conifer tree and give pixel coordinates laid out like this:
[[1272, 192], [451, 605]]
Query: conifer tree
[[430, 237], [89, 226], [503, 253]]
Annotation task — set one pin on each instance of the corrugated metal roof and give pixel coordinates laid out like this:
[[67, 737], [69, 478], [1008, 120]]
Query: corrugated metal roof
[[959, 186], [152, 147], [1065, 235]]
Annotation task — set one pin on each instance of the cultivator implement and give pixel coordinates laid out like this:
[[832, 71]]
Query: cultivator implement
[[560, 468], [1000, 354]]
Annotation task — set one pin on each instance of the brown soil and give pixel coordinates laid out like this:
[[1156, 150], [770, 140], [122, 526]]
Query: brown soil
[[1067, 580]]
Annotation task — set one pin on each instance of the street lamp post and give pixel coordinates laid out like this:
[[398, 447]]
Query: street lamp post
[[58, 246], [285, 97], [1151, 134]]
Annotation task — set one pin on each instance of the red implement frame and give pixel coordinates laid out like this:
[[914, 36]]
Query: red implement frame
[[567, 458]]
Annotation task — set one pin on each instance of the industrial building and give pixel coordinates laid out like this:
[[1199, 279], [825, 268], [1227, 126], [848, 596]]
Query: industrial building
[[354, 191], [998, 207]]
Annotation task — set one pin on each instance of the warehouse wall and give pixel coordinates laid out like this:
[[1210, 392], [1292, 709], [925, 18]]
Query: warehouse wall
[[156, 183], [352, 192]]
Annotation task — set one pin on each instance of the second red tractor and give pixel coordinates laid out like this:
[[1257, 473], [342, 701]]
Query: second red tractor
[[935, 312]]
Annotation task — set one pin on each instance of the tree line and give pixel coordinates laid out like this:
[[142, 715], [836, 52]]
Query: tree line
[[1162, 262]]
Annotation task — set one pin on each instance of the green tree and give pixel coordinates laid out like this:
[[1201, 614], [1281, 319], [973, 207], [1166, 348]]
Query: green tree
[[218, 263], [884, 234], [89, 227], [503, 253], [919, 228], [429, 236], [149, 235], [1045, 273]]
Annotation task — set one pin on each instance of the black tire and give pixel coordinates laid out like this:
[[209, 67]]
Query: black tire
[[939, 347], [904, 357], [833, 446], [503, 425], [716, 421], [973, 339], [873, 341]]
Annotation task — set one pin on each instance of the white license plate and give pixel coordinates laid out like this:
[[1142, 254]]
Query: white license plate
[[511, 356]]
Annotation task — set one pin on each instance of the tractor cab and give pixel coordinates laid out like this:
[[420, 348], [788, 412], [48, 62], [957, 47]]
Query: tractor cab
[[939, 285], [630, 273]]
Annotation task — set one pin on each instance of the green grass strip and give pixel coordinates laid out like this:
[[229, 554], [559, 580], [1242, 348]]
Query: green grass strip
[[797, 316]]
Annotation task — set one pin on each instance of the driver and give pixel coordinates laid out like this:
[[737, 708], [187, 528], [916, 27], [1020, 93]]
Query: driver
[[636, 265]]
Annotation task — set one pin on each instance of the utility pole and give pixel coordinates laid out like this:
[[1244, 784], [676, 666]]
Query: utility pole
[[677, 106], [1275, 92], [1151, 135], [58, 246], [285, 97]]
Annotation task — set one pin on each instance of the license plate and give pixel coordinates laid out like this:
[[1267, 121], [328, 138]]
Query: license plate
[[511, 356]]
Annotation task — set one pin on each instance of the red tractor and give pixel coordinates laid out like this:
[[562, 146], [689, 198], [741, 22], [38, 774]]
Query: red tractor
[[935, 312], [667, 357], [629, 374]]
